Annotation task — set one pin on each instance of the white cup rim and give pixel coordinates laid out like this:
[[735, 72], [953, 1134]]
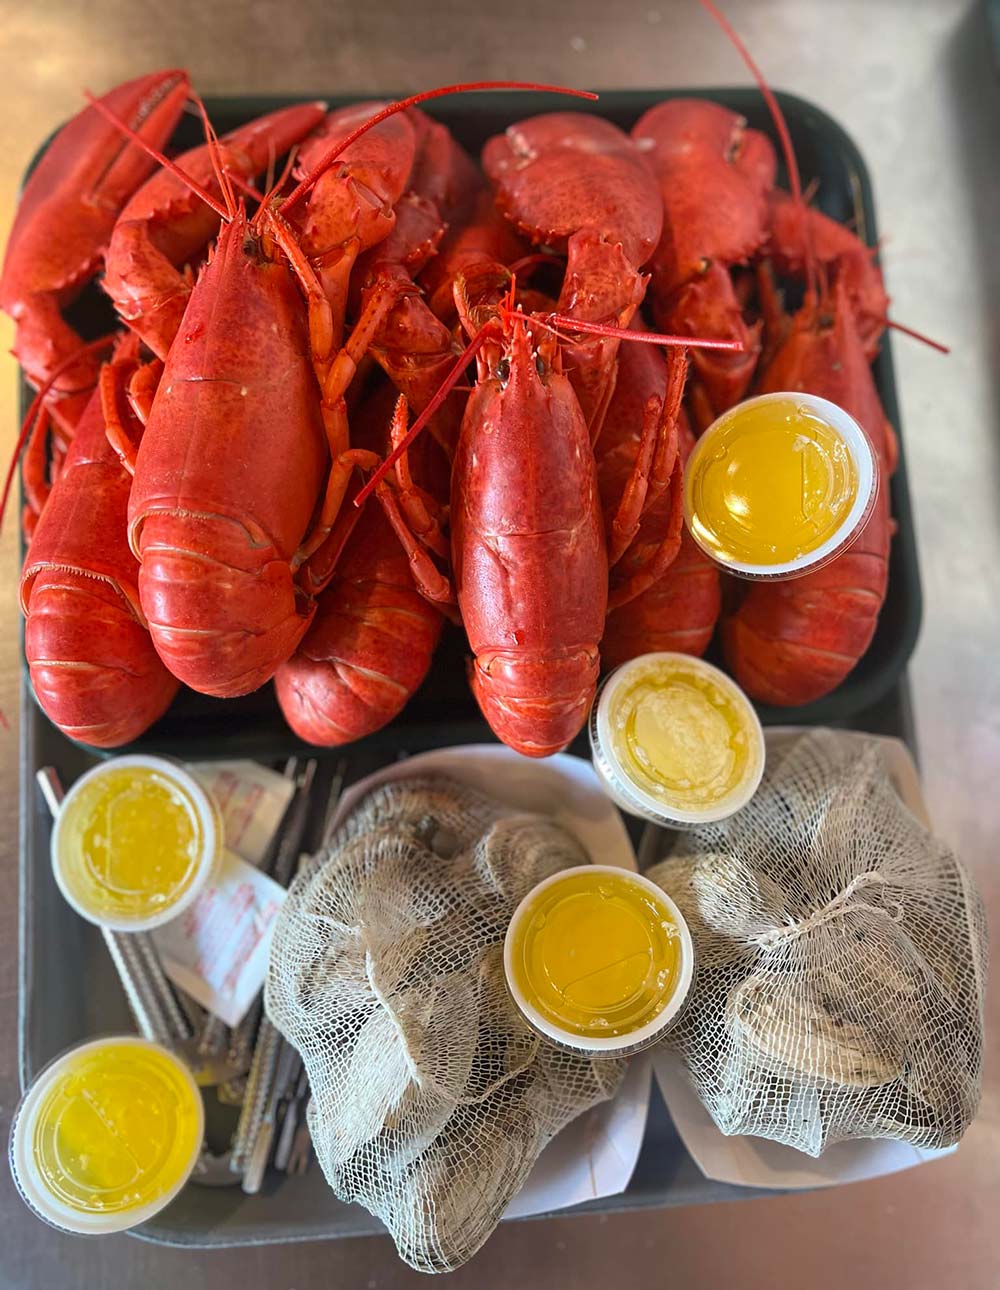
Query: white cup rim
[[866, 464], [208, 815], [646, 803], [37, 1196], [615, 1043]]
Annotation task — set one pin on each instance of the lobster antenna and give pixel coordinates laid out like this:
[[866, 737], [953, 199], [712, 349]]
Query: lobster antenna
[[35, 408], [918, 335], [646, 337], [467, 87], [793, 169], [780, 125], [155, 153], [443, 390]]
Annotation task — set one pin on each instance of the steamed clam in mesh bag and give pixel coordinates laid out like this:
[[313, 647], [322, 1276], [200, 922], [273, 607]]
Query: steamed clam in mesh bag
[[840, 956], [431, 1097]]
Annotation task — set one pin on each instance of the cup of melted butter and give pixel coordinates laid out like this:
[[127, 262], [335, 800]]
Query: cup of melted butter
[[598, 960], [675, 740], [779, 485], [135, 841], [106, 1135]]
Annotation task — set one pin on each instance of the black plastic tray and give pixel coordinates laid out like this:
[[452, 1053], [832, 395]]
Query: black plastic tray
[[826, 156], [68, 990]]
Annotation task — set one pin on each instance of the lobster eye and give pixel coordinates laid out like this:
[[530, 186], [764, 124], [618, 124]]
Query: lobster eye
[[539, 366], [503, 369]]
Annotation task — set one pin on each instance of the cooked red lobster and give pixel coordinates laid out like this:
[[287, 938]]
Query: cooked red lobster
[[558, 543]]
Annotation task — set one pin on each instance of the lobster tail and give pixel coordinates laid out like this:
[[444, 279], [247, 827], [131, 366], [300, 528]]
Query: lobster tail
[[92, 664], [93, 667], [222, 622], [792, 643], [369, 647], [536, 703]]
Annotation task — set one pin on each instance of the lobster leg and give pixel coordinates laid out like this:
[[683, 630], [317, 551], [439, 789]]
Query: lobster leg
[[334, 370], [34, 469], [430, 581], [421, 510], [336, 486], [112, 388], [655, 461], [654, 562], [142, 387]]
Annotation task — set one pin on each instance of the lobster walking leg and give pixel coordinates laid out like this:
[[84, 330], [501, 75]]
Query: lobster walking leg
[[678, 609]]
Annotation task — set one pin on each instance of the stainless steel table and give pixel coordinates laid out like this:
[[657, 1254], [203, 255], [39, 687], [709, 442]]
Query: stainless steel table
[[917, 85]]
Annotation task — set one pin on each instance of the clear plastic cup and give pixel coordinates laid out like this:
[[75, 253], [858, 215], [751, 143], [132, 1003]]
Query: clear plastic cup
[[106, 1135], [865, 465], [136, 839], [630, 947], [703, 713]]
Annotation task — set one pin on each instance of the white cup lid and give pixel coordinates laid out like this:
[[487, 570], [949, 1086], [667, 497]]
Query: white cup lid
[[647, 804], [208, 815], [615, 1043], [865, 462], [27, 1177]]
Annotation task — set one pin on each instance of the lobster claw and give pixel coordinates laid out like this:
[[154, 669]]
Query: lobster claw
[[89, 169], [64, 222]]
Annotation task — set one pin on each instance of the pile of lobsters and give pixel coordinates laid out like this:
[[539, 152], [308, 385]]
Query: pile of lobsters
[[385, 319]]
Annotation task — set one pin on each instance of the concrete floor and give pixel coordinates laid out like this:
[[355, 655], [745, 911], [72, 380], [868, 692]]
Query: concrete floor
[[917, 86]]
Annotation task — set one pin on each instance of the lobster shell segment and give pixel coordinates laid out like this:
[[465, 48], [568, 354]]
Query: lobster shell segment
[[92, 663], [528, 552], [228, 474]]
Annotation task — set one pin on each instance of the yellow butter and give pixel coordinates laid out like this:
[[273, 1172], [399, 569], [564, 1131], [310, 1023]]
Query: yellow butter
[[680, 734], [118, 1128], [132, 841], [596, 954], [771, 482]]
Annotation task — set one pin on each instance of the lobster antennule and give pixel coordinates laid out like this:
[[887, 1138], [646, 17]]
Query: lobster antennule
[[35, 408], [466, 87], [212, 139], [155, 153]]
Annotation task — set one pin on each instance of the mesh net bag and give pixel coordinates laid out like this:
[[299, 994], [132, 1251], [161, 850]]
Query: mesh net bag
[[431, 1097], [840, 958]]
